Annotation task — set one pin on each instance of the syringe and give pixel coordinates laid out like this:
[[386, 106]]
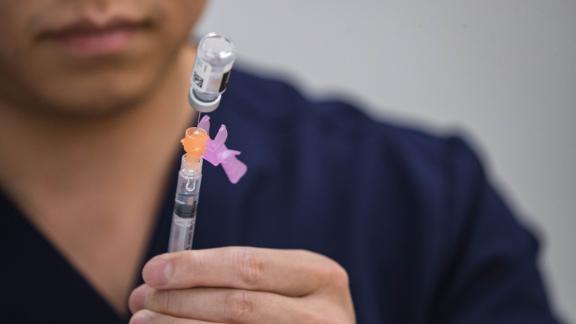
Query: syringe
[[188, 190]]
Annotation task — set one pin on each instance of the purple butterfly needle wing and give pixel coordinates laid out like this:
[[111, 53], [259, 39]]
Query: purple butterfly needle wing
[[215, 147], [205, 123], [217, 153], [234, 168]]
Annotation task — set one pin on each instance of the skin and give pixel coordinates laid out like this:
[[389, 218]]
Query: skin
[[77, 134]]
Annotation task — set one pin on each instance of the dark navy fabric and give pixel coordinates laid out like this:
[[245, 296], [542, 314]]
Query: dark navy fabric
[[422, 232]]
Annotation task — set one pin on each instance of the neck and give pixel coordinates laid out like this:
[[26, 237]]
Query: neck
[[59, 160], [93, 187]]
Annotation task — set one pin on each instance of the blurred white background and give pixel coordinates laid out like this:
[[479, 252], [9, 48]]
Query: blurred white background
[[504, 70]]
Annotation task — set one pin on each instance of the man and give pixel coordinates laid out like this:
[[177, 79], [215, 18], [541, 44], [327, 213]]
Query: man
[[347, 220]]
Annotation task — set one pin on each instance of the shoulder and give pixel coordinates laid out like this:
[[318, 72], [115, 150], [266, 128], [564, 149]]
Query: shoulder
[[332, 130]]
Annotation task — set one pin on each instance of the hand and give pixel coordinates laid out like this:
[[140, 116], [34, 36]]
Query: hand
[[242, 285]]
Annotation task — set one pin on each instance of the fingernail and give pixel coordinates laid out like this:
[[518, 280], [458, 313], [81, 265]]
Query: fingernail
[[158, 272], [142, 317]]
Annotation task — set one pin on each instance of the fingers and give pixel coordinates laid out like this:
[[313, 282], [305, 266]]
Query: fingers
[[287, 272], [223, 305], [149, 317]]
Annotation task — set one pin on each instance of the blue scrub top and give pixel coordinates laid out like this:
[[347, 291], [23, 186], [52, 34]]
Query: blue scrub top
[[424, 235]]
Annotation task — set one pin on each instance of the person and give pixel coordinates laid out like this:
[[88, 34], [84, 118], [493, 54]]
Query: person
[[340, 219]]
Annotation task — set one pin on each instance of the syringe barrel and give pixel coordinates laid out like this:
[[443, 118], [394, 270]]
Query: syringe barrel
[[185, 206], [215, 58]]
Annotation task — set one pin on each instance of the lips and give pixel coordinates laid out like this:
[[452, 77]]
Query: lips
[[91, 37]]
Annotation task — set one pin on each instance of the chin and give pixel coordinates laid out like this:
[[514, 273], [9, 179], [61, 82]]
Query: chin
[[94, 102], [88, 87], [91, 107], [91, 94]]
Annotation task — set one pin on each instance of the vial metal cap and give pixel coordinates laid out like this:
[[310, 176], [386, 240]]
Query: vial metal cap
[[203, 106]]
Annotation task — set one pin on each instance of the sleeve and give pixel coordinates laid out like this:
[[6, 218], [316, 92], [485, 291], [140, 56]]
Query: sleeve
[[493, 275]]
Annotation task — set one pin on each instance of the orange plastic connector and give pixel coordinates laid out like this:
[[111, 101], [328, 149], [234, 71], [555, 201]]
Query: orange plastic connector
[[194, 143]]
